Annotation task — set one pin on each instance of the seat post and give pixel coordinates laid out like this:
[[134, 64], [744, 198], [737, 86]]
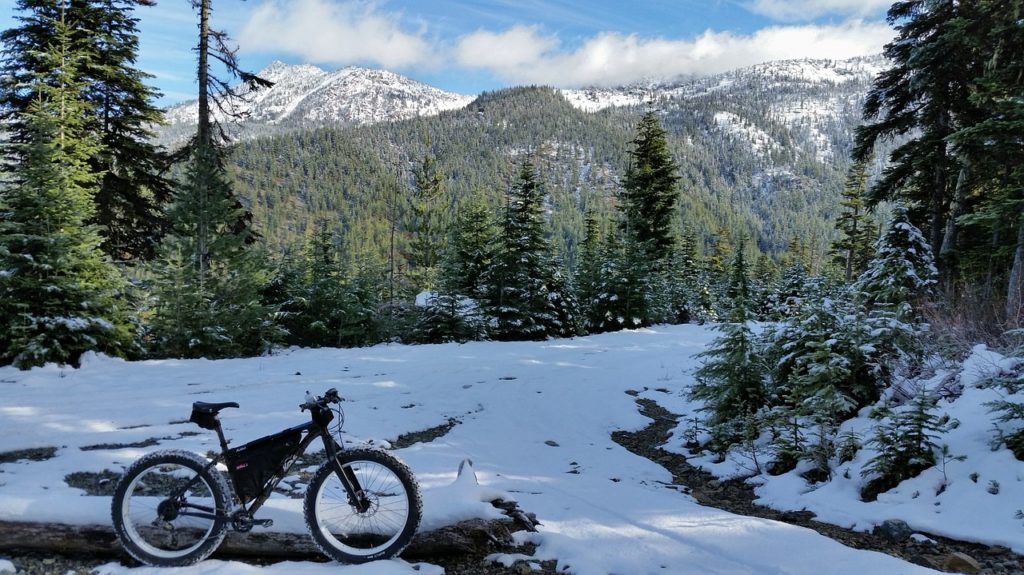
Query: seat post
[[220, 435]]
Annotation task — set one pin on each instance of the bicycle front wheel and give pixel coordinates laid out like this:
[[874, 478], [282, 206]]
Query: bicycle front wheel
[[376, 522], [169, 510]]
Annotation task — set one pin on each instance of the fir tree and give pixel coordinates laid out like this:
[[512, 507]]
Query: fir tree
[[518, 298], [208, 284], [59, 296], [923, 95], [902, 271], [731, 380], [853, 250], [120, 110], [425, 224], [588, 270], [905, 443], [628, 286], [208, 288], [650, 195], [991, 147], [472, 250]]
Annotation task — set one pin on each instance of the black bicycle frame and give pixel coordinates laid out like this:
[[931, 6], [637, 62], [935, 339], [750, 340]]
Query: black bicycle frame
[[312, 429]]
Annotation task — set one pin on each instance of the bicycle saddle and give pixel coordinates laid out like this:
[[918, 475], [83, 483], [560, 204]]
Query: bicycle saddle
[[203, 407]]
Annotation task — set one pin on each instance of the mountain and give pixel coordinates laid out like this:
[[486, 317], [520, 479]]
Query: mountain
[[763, 151], [305, 96]]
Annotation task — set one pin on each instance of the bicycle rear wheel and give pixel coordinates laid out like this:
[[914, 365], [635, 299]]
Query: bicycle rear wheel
[[381, 525], [169, 510]]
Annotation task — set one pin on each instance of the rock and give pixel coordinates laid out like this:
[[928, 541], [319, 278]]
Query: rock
[[929, 561], [523, 568], [893, 531], [961, 563]]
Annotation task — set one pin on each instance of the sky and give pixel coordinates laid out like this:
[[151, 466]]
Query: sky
[[468, 46]]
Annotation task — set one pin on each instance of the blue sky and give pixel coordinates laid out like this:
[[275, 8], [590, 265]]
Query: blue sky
[[472, 45]]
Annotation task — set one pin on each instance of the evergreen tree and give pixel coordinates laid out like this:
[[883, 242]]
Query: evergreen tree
[[906, 443], [425, 224], [317, 301], [731, 380], [207, 283], [649, 190], [991, 146], [59, 296], [121, 111], [208, 286], [628, 286], [762, 286], [518, 299], [682, 280], [902, 271], [924, 95], [588, 269], [472, 250], [853, 250]]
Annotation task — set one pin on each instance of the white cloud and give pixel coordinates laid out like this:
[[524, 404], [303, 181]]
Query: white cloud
[[523, 55], [336, 33], [803, 10]]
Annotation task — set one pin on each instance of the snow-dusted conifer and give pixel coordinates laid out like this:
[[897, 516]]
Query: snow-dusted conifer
[[59, 295], [902, 271], [731, 380]]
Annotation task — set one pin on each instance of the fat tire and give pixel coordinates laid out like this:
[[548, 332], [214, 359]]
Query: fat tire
[[326, 542], [212, 477]]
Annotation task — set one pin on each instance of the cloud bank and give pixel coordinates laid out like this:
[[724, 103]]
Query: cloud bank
[[343, 33]]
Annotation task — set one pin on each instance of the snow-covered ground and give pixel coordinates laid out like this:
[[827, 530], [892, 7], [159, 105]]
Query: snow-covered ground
[[535, 419]]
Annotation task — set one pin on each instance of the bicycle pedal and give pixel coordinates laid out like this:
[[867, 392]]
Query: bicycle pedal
[[263, 522]]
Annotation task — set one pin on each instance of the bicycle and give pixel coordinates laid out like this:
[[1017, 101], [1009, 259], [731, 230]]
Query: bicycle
[[172, 508]]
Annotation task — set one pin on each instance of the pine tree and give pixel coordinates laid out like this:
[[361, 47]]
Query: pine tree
[[518, 298], [902, 271], [209, 283], [924, 95], [649, 190], [472, 250], [424, 222], [731, 380], [853, 250], [59, 296], [121, 111]]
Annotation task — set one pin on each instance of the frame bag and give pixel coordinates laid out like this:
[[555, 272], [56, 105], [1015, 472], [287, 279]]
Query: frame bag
[[252, 465]]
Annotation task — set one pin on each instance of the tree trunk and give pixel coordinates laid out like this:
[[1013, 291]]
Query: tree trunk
[[472, 536], [1015, 287], [947, 253]]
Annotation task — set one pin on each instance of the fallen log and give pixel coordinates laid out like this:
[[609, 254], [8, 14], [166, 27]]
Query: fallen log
[[471, 536]]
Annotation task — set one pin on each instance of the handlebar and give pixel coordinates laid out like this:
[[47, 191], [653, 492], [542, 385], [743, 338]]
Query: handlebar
[[331, 396]]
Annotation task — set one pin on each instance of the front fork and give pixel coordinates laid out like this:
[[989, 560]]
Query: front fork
[[356, 496]]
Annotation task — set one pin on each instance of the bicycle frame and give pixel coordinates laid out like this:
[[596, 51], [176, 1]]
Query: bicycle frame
[[313, 429]]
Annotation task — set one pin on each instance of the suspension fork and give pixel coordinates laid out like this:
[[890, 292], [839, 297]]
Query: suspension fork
[[348, 478]]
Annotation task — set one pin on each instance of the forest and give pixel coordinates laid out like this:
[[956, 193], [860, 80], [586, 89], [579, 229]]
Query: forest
[[523, 218]]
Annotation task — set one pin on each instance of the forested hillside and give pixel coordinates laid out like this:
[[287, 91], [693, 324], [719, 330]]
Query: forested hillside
[[762, 152]]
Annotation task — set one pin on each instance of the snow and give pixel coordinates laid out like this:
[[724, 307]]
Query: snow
[[534, 422]]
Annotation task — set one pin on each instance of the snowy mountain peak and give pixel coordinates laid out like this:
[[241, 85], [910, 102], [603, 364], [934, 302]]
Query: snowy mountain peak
[[307, 95]]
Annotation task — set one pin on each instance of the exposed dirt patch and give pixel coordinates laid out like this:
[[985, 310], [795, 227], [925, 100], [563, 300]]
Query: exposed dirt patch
[[424, 436], [34, 454], [736, 496]]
